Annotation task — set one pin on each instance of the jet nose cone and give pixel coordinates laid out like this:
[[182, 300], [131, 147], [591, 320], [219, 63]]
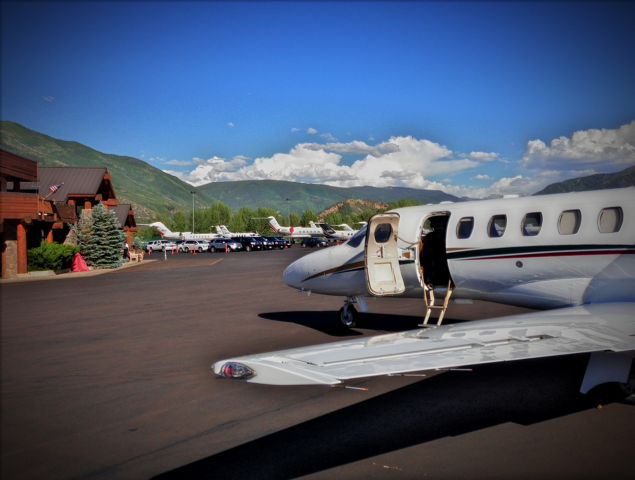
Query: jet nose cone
[[293, 275]]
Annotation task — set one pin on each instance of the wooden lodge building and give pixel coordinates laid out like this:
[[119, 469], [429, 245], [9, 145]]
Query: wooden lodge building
[[38, 203]]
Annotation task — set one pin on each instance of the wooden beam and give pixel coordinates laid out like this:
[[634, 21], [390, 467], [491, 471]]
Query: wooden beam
[[22, 262]]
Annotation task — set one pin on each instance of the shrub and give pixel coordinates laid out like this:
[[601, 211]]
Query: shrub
[[51, 256]]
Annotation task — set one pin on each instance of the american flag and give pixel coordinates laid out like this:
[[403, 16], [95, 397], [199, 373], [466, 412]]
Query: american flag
[[55, 188]]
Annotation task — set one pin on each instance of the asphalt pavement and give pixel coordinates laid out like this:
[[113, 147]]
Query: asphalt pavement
[[109, 376]]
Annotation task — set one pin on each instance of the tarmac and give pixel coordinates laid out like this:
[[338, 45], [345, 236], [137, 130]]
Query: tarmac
[[108, 376]]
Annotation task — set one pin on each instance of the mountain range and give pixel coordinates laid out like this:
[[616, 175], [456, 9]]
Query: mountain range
[[155, 193]]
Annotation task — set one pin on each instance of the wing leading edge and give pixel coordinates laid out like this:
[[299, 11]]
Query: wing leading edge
[[583, 329]]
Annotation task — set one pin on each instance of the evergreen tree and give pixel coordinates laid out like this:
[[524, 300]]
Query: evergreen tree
[[85, 234], [104, 247], [72, 239]]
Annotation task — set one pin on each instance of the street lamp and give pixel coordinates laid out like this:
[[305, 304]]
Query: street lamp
[[193, 193], [288, 211]]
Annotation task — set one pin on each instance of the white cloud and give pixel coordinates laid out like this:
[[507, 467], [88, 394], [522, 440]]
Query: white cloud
[[231, 124], [483, 156], [329, 137], [48, 99], [179, 163], [355, 147], [420, 163], [294, 129], [400, 161], [211, 170], [593, 150]]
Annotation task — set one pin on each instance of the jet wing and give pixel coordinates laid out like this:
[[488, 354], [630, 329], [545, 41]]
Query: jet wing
[[588, 328]]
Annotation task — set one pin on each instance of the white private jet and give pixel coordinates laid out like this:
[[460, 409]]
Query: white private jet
[[295, 232], [224, 231], [170, 235], [341, 235], [571, 255]]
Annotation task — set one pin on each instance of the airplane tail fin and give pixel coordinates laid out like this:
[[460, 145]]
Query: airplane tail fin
[[163, 230], [327, 229], [274, 224], [224, 230]]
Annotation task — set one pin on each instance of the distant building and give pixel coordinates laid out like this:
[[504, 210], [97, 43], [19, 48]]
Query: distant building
[[83, 188], [42, 203]]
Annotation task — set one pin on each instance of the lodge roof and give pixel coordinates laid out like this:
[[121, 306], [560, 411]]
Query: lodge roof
[[122, 211], [15, 167], [73, 181]]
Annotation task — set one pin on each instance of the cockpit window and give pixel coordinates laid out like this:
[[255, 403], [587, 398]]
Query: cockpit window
[[383, 232], [356, 239]]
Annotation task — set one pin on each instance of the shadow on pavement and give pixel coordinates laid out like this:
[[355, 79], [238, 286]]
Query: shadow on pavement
[[445, 405], [328, 321]]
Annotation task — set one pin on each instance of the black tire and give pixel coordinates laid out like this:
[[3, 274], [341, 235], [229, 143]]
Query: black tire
[[348, 316], [248, 248]]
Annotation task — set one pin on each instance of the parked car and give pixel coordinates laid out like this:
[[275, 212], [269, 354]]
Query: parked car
[[160, 245], [193, 246], [314, 242], [267, 244], [277, 242], [219, 245], [250, 243]]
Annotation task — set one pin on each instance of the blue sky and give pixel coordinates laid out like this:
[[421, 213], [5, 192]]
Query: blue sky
[[472, 98]]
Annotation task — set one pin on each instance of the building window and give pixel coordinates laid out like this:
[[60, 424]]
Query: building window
[[569, 222], [497, 225], [532, 224], [464, 227], [610, 220]]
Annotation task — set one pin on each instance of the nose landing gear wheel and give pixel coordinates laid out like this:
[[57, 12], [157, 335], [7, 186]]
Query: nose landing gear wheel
[[348, 315]]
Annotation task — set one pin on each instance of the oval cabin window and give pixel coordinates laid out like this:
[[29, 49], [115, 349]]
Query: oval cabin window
[[497, 226], [569, 222], [383, 232], [610, 220], [532, 224], [464, 227]]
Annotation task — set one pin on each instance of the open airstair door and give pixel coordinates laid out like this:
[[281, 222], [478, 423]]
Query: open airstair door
[[383, 275]]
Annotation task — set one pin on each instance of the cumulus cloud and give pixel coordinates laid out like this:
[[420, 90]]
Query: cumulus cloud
[[294, 129], [483, 156], [400, 161], [311, 131], [210, 170], [355, 147], [231, 124], [481, 177], [594, 150]]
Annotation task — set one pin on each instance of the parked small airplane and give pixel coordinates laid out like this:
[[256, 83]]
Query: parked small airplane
[[295, 232], [224, 231], [340, 235], [571, 255], [170, 235]]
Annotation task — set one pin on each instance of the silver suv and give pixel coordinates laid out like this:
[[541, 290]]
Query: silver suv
[[160, 245], [193, 245]]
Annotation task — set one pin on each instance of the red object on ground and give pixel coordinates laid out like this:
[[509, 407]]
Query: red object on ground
[[79, 265]]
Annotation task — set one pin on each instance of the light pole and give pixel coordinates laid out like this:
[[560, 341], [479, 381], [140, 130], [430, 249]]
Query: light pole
[[193, 193], [288, 211]]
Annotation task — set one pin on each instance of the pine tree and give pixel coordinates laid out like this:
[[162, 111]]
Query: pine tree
[[107, 239], [85, 234], [72, 239]]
